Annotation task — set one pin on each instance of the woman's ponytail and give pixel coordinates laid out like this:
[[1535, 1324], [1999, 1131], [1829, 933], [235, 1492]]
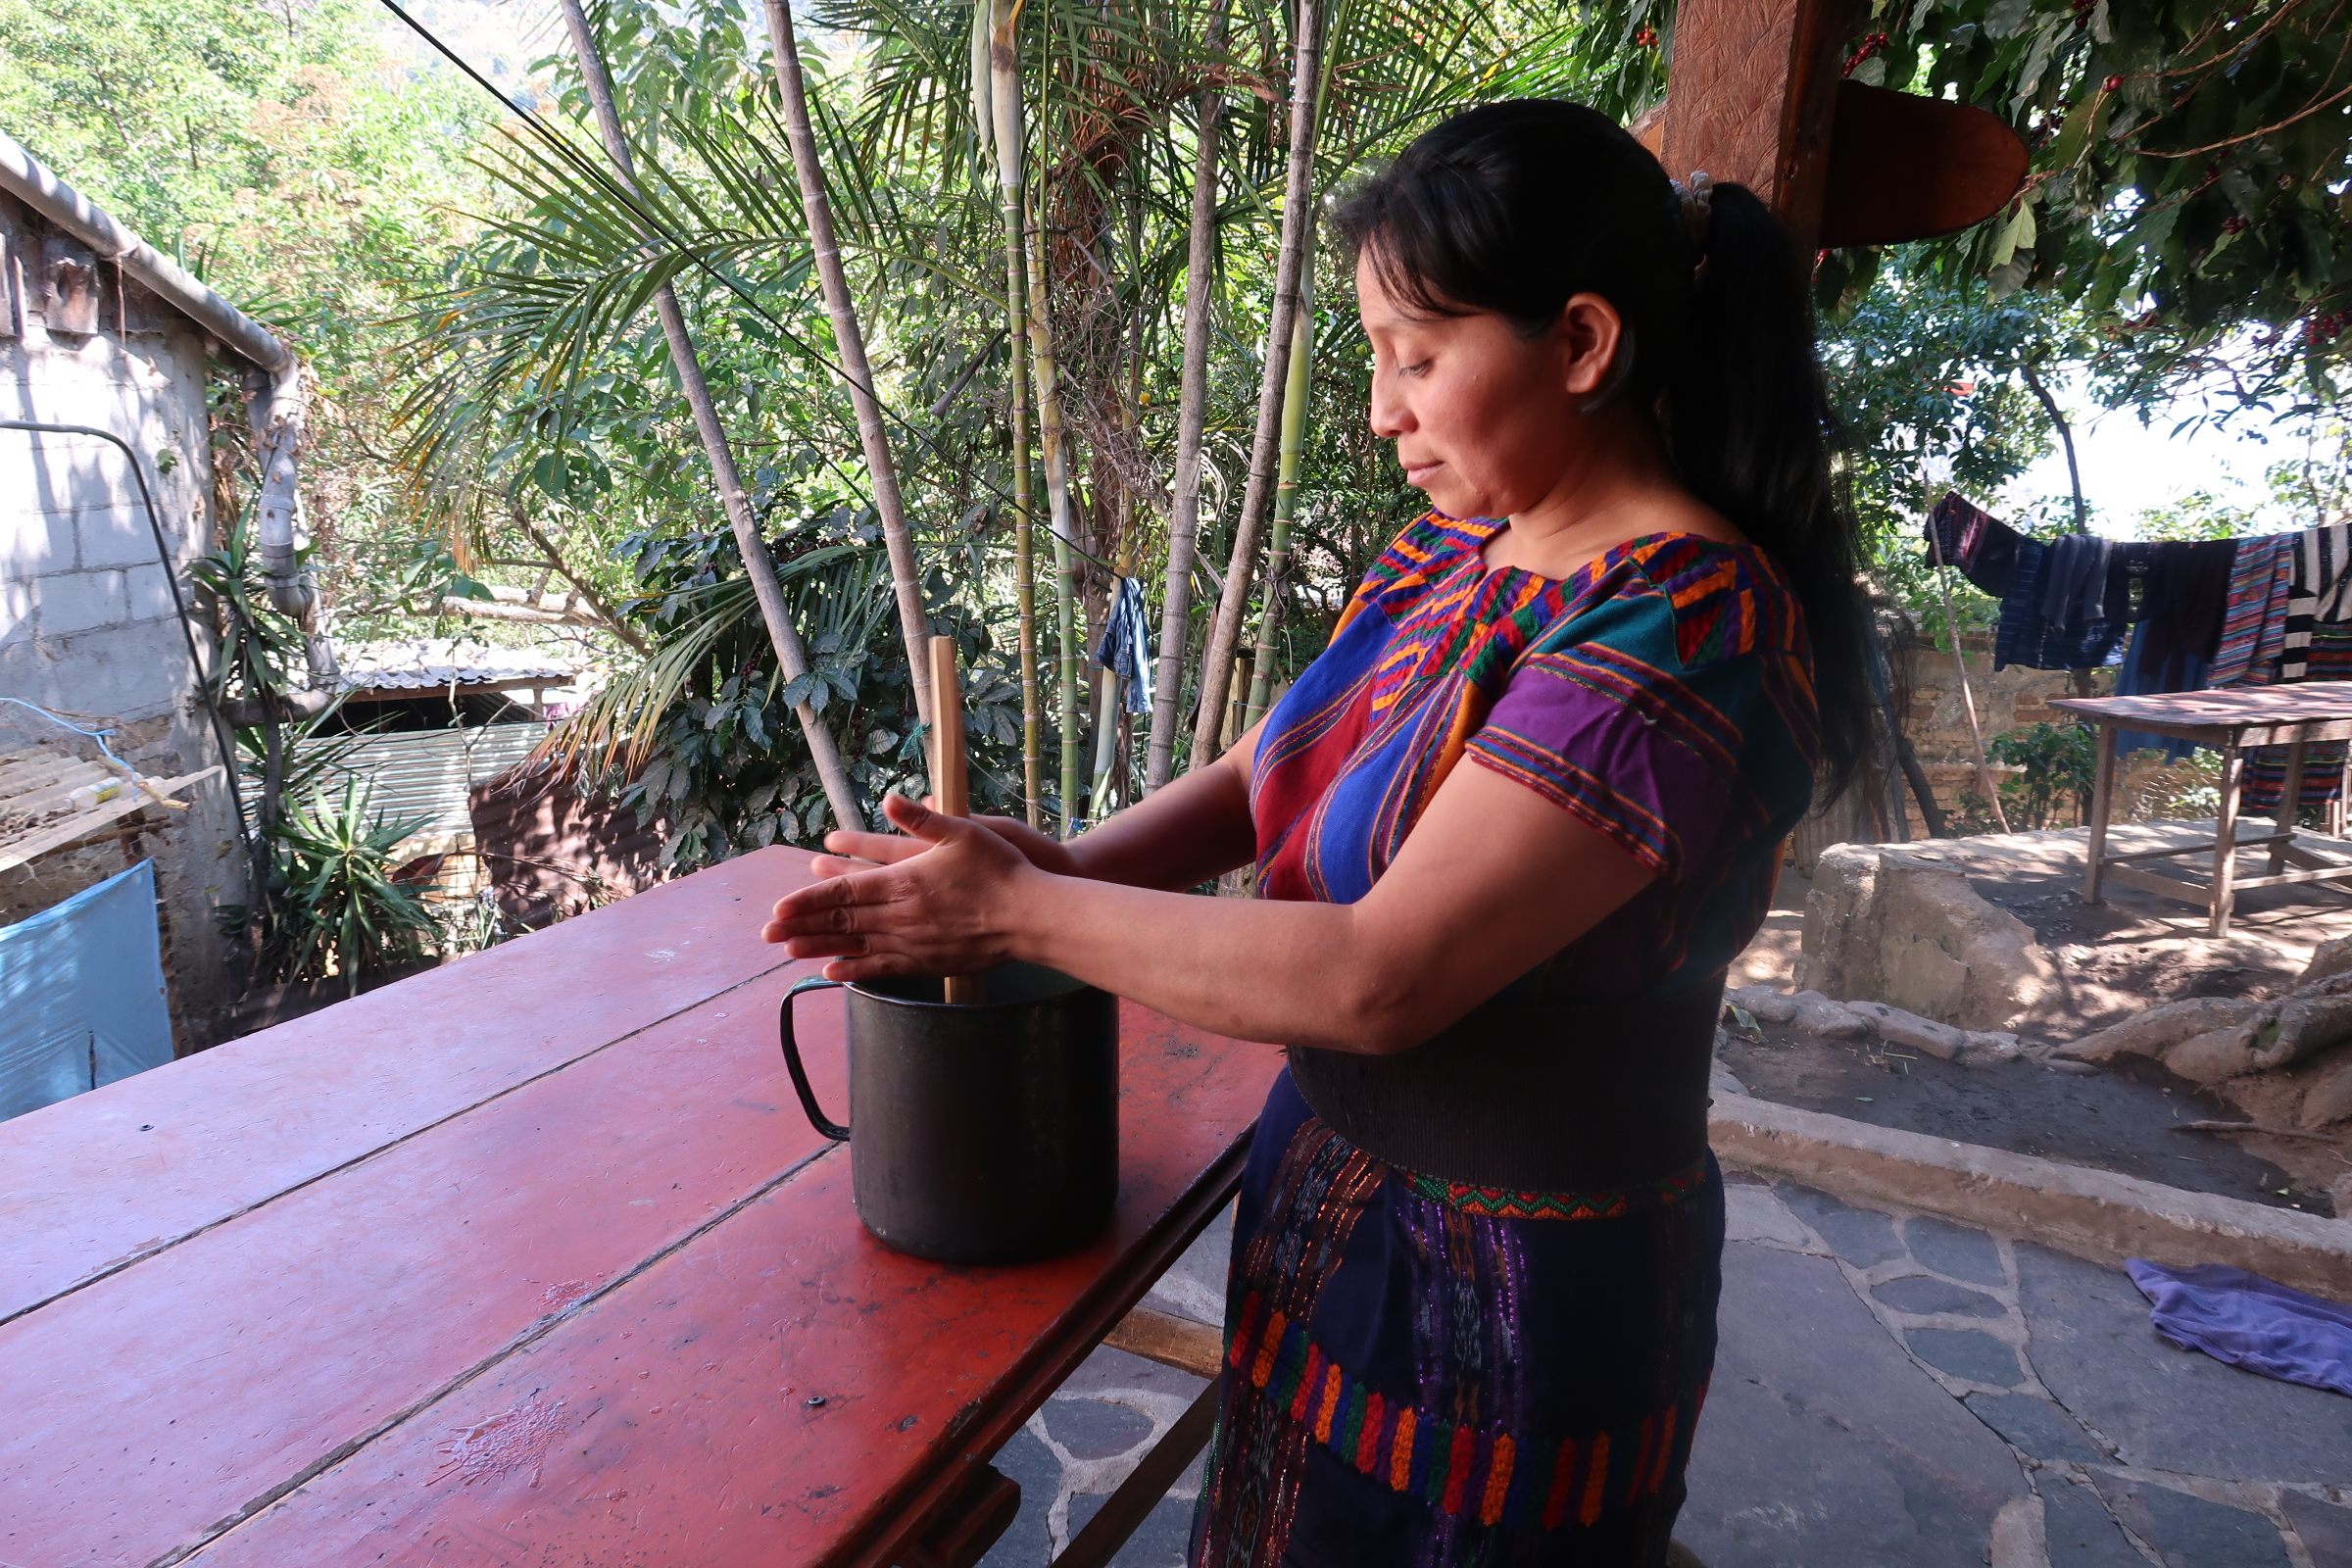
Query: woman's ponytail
[[1750, 431]]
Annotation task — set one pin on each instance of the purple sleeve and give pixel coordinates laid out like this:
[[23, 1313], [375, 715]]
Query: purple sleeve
[[1610, 726]]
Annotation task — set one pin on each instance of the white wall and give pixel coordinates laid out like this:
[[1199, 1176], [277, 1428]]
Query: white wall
[[86, 617]]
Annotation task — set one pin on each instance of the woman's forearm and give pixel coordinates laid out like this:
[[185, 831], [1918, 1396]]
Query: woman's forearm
[[1180, 836], [1290, 973]]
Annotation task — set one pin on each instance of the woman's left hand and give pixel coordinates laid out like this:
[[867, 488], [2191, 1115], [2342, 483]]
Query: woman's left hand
[[944, 909]]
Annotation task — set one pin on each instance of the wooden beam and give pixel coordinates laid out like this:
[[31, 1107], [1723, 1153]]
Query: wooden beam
[[1753, 97]]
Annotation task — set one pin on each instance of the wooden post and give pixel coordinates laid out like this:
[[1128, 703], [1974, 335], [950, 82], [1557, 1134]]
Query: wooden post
[[2290, 803], [2224, 835], [2102, 792], [1753, 97]]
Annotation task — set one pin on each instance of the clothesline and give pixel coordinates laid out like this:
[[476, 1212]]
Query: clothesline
[[2185, 615]]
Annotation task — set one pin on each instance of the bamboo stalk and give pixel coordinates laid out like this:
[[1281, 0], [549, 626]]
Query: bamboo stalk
[[1184, 519], [949, 778], [1003, 82], [1295, 388], [848, 339], [792, 656], [1224, 636], [1053, 436]]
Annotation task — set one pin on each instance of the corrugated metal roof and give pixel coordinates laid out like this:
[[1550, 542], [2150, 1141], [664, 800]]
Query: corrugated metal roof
[[431, 664], [427, 772]]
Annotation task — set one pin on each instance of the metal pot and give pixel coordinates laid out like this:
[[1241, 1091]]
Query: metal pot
[[987, 1133]]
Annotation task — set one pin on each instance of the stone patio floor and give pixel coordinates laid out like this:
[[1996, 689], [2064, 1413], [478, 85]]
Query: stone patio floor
[[1893, 1391]]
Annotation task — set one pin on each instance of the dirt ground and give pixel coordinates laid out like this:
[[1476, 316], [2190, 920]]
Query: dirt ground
[[2129, 1121], [2132, 952]]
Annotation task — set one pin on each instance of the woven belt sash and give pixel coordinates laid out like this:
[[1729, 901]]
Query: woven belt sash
[[1532, 1092]]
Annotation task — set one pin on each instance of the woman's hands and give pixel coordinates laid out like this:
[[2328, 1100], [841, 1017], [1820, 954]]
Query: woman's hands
[[1042, 850], [940, 901]]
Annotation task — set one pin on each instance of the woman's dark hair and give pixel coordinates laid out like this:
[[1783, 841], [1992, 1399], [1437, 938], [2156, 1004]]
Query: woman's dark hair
[[1514, 206]]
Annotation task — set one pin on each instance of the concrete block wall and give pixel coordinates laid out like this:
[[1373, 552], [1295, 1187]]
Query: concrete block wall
[[87, 625]]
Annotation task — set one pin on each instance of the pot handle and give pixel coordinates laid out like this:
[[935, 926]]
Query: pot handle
[[792, 1059]]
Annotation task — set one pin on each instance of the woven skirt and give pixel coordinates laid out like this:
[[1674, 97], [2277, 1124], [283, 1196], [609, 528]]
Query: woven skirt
[[1425, 1373]]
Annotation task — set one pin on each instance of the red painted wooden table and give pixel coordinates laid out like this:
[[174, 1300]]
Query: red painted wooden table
[[533, 1259]]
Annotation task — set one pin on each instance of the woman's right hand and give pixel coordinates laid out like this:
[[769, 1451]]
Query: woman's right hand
[[1046, 852]]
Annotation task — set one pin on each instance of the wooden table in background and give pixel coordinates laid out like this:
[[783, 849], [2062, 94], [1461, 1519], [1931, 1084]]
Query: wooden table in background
[[2232, 720], [534, 1260]]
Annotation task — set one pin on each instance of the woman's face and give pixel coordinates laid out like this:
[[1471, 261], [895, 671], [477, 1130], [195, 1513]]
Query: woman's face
[[1484, 419]]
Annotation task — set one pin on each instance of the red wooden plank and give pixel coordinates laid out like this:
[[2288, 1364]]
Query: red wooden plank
[[147, 1411], [94, 1182], [672, 1421]]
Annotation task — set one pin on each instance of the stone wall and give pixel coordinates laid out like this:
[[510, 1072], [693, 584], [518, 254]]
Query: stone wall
[[87, 625]]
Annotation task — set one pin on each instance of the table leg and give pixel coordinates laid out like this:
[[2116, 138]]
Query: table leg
[[2102, 791], [2225, 838], [970, 1525], [1159, 1470], [2291, 797]]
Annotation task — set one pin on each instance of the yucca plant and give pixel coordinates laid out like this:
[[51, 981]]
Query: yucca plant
[[338, 905]]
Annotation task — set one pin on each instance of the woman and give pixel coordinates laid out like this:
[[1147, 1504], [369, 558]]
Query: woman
[[1471, 1310]]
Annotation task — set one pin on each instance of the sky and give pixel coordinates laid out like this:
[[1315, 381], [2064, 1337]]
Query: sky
[[2129, 468]]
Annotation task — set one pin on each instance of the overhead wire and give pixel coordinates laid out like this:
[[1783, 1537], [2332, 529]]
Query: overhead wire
[[652, 229]]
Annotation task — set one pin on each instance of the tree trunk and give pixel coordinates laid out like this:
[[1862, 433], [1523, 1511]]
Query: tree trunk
[[1295, 388], [1224, 635], [906, 575], [1005, 135], [581, 585], [1052, 435], [2066, 439], [1184, 519], [792, 656]]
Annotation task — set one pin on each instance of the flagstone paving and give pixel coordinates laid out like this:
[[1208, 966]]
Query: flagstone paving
[[1893, 1391]]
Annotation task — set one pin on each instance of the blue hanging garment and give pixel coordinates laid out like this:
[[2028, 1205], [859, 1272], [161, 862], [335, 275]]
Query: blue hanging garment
[[1124, 650], [81, 994]]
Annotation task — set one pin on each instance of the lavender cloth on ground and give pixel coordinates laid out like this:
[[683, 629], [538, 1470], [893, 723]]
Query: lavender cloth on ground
[[2249, 1321]]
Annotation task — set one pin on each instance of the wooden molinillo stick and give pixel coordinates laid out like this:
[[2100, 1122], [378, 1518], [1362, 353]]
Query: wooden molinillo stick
[[951, 788]]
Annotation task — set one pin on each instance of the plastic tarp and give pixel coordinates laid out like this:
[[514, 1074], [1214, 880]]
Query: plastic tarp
[[81, 994]]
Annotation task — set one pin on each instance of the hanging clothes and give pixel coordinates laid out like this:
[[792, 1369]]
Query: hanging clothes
[[1984, 548], [2053, 607], [2272, 572], [2320, 573], [2254, 623], [84, 983], [1124, 650], [2182, 594]]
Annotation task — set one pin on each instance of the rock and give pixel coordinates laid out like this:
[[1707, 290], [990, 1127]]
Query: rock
[[2001, 972], [2330, 958], [1839, 949], [1955, 1250], [2154, 1031], [2328, 1101], [2305, 1025], [2342, 1194], [2036, 1426], [1765, 1005], [1899, 1027], [1965, 1354]]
